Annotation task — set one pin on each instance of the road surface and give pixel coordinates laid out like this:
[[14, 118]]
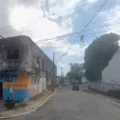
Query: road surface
[[75, 105]]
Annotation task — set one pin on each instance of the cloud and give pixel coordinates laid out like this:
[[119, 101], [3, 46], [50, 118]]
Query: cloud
[[20, 11], [5, 9], [27, 2], [61, 46], [92, 1], [4, 12], [62, 6], [111, 20], [54, 7], [27, 17], [38, 28], [45, 28]]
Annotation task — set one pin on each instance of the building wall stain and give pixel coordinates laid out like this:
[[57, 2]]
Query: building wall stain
[[21, 57]]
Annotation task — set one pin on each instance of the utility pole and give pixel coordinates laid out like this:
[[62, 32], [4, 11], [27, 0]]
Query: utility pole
[[53, 81], [61, 73], [1, 46], [54, 57]]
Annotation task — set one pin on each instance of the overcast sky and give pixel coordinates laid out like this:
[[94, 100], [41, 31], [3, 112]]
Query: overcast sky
[[42, 19]]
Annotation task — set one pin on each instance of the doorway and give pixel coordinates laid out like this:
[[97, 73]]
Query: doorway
[[1, 90]]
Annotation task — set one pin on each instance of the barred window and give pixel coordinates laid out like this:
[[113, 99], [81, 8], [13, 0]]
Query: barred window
[[13, 54]]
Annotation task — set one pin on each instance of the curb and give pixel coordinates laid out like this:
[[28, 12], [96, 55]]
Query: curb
[[105, 98], [34, 109]]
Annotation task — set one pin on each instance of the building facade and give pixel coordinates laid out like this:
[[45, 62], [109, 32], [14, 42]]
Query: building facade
[[25, 69], [110, 74]]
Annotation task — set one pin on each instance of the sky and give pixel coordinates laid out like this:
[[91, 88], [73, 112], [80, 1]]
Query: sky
[[42, 20]]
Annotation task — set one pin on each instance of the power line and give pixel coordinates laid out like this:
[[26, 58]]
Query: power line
[[17, 25], [65, 35], [28, 21], [39, 17], [83, 29], [2, 37], [50, 39], [58, 37], [68, 34], [47, 39], [8, 27]]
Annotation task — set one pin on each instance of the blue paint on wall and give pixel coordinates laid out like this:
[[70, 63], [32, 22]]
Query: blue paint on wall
[[18, 94], [7, 78]]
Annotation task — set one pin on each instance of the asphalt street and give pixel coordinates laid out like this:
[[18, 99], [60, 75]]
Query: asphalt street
[[67, 104]]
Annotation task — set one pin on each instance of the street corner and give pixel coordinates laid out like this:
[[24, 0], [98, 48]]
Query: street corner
[[29, 106]]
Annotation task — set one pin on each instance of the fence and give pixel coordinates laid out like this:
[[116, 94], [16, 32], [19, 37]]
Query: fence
[[103, 87]]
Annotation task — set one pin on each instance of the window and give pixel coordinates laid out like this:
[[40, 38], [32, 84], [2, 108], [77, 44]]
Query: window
[[38, 60], [13, 54]]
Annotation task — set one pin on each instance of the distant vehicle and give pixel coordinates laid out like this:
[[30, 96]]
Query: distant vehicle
[[75, 85], [66, 82]]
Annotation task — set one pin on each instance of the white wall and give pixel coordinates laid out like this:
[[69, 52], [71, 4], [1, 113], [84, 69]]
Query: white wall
[[38, 86], [111, 74], [84, 80], [96, 85]]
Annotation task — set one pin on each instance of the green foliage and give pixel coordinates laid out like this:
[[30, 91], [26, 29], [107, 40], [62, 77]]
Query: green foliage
[[98, 54], [76, 71]]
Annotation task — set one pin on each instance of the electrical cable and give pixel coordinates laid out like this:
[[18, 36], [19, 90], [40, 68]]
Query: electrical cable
[[105, 2]]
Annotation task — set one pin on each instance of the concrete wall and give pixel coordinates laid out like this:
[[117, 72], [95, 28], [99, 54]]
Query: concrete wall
[[111, 74], [104, 87], [38, 88], [21, 88], [38, 85], [98, 85], [30, 53], [25, 87], [32, 61], [31, 57], [84, 80]]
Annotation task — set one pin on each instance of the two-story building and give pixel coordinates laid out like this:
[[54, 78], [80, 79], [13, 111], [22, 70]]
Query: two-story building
[[24, 68]]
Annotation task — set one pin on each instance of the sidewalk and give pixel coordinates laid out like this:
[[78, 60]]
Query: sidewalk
[[29, 106], [113, 100]]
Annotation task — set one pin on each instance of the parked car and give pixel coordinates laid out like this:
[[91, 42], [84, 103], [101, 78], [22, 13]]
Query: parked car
[[75, 85]]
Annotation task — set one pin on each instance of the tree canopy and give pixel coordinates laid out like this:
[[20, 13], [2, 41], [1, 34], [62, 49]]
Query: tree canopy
[[98, 54], [76, 71]]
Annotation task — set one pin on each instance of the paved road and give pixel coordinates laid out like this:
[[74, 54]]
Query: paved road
[[75, 105]]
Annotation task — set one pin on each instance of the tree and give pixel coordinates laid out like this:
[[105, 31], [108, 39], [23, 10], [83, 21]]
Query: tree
[[98, 54], [76, 71]]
